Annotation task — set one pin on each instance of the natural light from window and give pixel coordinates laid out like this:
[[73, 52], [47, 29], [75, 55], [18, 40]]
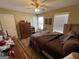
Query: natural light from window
[[59, 21], [40, 22]]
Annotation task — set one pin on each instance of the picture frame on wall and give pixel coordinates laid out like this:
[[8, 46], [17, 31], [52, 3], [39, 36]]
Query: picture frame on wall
[[50, 21]]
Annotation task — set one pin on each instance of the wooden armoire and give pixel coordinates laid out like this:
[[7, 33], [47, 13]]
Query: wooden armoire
[[25, 29]]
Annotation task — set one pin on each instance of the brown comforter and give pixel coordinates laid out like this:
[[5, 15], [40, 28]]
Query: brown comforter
[[51, 43]]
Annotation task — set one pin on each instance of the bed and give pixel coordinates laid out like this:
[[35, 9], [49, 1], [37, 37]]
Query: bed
[[57, 45], [38, 42]]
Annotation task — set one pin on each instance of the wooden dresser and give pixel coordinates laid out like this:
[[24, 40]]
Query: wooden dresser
[[25, 29]]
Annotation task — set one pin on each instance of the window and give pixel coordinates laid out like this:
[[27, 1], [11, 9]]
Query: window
[[40, 22], [59, 21], [34, 22]]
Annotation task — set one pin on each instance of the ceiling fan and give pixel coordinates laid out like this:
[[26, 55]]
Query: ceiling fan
[[38, 4]]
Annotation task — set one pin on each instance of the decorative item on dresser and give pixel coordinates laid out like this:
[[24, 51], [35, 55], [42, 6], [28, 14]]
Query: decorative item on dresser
[[25, 29]]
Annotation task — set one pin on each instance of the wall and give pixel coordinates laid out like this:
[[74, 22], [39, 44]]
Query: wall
[[18, 16], [8, 24], [73, 18]]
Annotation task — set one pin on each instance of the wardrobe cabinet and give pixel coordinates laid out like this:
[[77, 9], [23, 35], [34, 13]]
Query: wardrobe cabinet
[[25, 29]]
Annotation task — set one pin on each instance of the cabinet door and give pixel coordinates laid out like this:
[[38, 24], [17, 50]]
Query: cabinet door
[[8, 23]]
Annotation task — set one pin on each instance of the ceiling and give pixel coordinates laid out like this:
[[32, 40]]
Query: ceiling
[[25, 5]]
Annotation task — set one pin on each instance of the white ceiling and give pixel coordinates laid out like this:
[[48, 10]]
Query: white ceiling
[[24, 5]]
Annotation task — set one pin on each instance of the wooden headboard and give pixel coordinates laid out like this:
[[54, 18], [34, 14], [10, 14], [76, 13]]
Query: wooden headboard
[[69, 27]]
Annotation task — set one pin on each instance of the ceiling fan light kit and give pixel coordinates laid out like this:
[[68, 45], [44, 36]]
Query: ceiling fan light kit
[[37, 5], [37, 10]]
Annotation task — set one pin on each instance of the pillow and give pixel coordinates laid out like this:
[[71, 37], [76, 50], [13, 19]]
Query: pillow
[[68, 36]]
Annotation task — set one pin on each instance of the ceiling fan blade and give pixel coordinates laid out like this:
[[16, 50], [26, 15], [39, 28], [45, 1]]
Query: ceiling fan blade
[[35, 1], [44, 1], [32, 3]]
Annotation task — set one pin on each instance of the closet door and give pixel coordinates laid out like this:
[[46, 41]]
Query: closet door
[[8, 23]]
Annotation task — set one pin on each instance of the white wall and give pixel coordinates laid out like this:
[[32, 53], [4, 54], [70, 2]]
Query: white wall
[[8, 23]]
